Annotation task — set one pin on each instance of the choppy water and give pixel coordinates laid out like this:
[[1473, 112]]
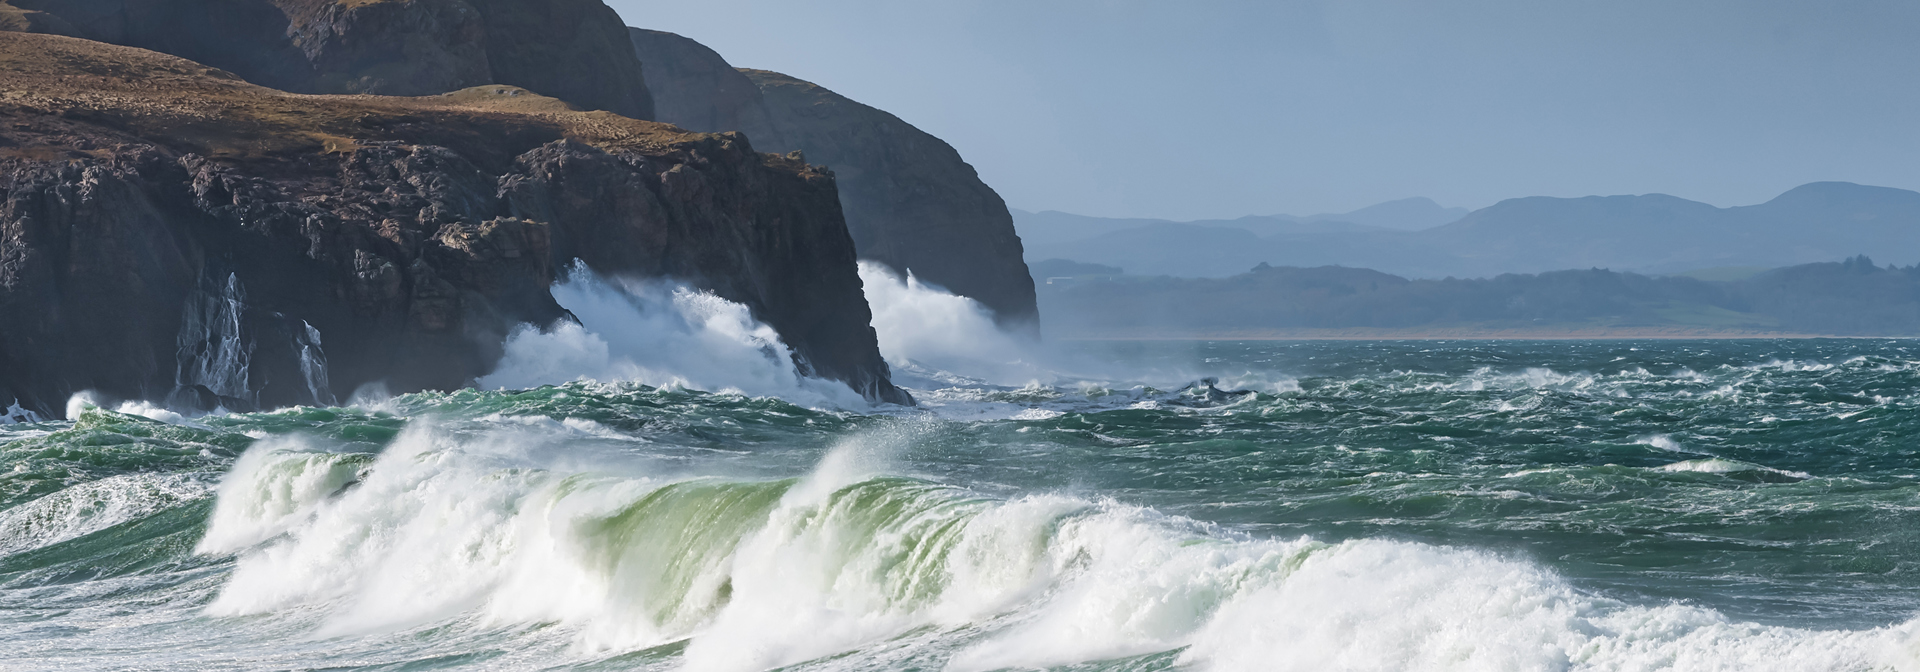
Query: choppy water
[[1723, 505]]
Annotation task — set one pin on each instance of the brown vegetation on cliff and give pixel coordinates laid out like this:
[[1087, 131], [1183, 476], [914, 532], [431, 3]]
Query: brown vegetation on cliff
[[694, 88], [574, 50]]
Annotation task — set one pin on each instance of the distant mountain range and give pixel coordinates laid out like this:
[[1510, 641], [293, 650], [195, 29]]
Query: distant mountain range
[[1855, 297], [1416, 238], [1407, 214]]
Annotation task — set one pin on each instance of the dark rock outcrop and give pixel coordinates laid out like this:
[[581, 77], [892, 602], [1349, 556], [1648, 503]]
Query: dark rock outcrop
[[911, 202], [574, 50], [161, 221]]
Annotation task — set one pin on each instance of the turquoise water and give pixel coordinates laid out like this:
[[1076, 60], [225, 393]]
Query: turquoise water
[[1613, 505]]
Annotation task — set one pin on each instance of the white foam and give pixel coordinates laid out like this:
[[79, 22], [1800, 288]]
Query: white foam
[[372, 396], [925, 325], [1715, 465], [1661, 441], [269, 490], [658, 334], [14, 415], [497, 530], [80, 402], [89, 507], [148, 410], [1378, 605]]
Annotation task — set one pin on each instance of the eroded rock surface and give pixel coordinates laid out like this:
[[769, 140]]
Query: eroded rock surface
[[412, 233]]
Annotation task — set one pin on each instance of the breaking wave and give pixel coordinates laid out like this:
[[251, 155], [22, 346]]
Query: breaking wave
[[1381, 513], [480, 531], [658, 334]]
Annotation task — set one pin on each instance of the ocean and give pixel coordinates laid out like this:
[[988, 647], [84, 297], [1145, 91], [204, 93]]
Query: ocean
[[655, 488], [1331, 505]]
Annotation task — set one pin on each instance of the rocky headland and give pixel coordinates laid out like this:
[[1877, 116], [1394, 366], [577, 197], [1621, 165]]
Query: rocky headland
[[163, 220], [911, 201], [574, 50]]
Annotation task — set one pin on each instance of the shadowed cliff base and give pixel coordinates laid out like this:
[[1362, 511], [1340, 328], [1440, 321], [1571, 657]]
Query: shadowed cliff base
[[410, 233]]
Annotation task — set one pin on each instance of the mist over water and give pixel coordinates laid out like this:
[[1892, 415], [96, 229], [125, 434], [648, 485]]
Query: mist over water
[[948, 347], [925, 329], [654, 488]]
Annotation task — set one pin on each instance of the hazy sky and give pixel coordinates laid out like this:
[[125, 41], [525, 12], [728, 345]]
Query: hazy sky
[[1220, 109]]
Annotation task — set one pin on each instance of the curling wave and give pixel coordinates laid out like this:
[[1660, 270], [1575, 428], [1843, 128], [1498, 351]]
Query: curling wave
[[445, 527]]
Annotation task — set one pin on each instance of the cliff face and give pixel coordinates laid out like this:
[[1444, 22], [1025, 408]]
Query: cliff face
[[575, 50], [169, 231], [911, 202], [695, 89]]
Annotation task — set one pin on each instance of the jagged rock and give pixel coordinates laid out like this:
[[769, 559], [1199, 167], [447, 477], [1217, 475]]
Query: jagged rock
[[412, 233], [574, 50], [911, 202]]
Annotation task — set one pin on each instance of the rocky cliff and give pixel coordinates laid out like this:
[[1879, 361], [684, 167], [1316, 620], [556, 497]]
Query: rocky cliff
[[167, 230], [694, 88], [575, 50], [911, 202]]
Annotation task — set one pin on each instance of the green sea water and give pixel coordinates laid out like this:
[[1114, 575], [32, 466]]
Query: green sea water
[[1603, 505]]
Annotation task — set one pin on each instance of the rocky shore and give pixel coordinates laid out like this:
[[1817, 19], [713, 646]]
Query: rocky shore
[[400, 238]]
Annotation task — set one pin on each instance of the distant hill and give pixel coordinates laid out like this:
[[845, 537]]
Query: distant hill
[[1850, 298], [1044, 271], [1649, 234], [1407, 214]]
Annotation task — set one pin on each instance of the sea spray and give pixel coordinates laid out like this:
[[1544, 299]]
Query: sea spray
[[90, 507], [214, 350], [13, 414], [1385, 513], [764, 574], [1376, 605], [939, 343], [659, 334], [924, 327], [313, 364]]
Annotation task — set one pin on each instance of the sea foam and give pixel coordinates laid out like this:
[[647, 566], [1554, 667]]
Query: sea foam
[[658, 333], [485, 530]]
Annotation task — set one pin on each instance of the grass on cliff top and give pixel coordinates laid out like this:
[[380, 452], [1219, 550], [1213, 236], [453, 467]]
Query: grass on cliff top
[[61, 94]]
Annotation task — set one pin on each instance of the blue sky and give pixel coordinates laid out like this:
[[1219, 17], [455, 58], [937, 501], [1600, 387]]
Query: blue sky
[[1219, 109]]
